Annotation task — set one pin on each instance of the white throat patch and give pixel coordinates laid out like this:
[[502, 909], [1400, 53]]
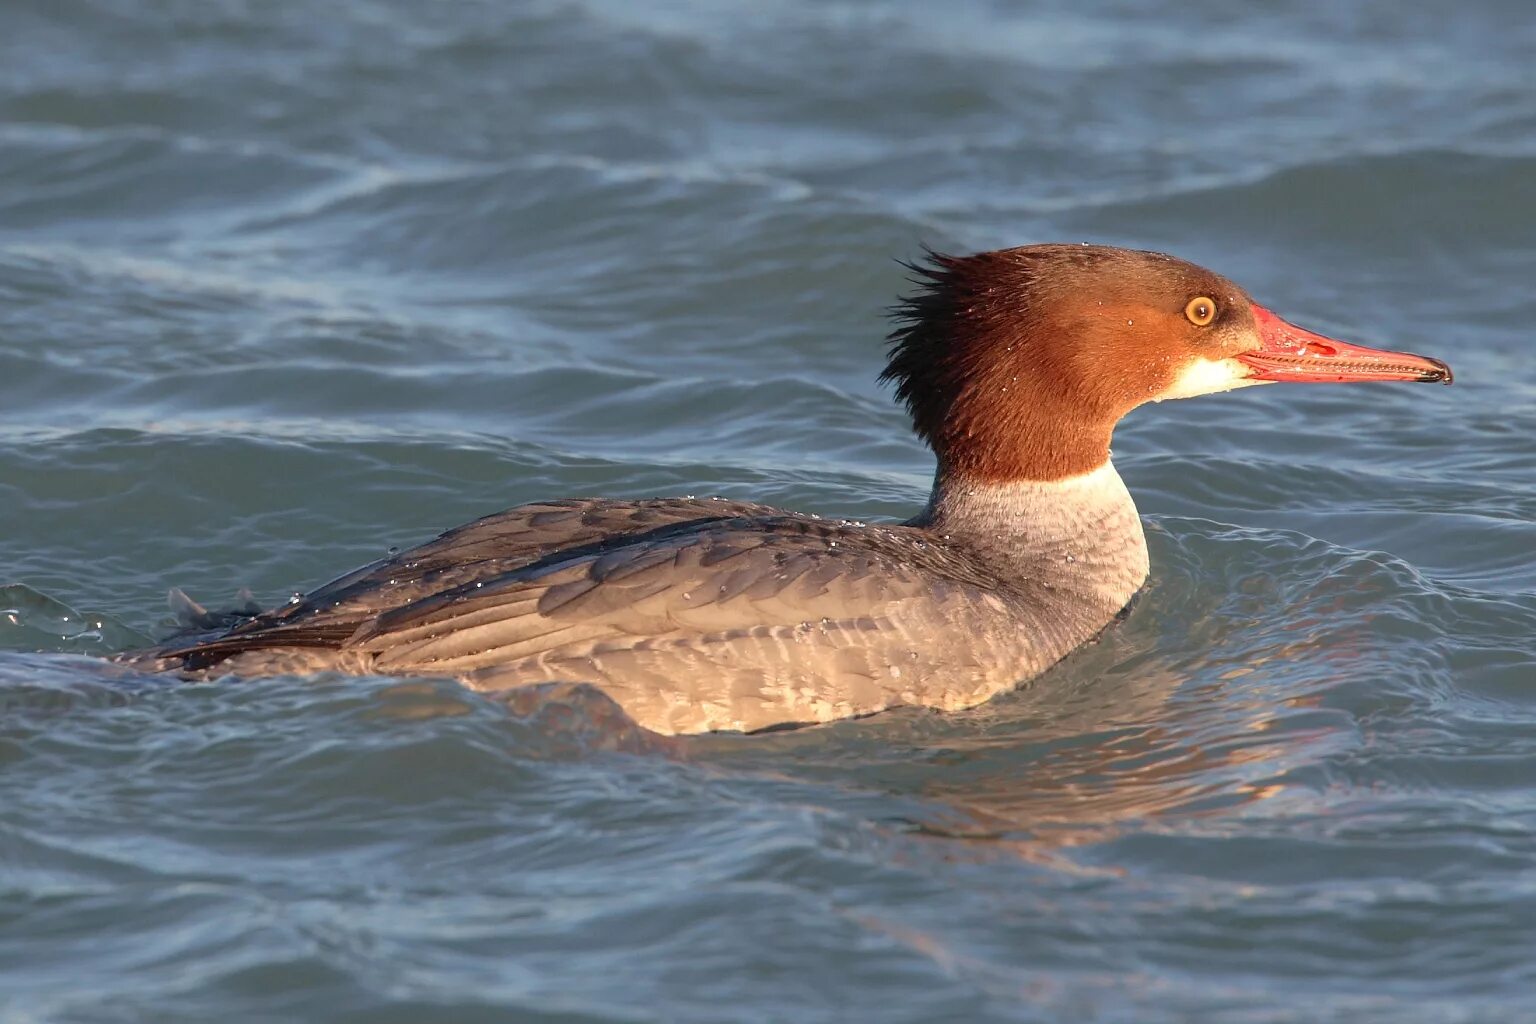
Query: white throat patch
[[1209, 377]]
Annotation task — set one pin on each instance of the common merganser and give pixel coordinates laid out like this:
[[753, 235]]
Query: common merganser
[[707, 614]]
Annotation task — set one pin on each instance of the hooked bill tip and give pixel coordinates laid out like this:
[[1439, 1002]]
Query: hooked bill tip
[[1441, 374]]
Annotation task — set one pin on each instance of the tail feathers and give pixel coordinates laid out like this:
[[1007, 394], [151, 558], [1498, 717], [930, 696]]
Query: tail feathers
[[206, 638], [192, 616]]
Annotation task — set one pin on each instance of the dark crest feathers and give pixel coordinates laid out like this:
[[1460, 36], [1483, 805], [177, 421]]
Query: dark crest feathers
[[929, 347]]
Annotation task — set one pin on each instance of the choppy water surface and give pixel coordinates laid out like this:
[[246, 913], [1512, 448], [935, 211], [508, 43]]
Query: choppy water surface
[[285, 285]]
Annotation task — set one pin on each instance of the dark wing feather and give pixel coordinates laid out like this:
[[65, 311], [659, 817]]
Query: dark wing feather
[[519, 538], [710, 577]]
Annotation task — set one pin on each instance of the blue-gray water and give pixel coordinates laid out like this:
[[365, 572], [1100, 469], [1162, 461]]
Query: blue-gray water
[[283, 285]]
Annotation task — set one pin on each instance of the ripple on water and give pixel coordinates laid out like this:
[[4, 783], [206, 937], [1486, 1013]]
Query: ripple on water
[[284, 286]]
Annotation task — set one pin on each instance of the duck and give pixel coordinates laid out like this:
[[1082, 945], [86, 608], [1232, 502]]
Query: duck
[[711, 615]]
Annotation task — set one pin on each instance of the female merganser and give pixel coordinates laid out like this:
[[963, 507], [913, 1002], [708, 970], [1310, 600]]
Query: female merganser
[[707, 614]]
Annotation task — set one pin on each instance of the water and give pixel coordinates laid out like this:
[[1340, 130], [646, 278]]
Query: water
[[283, 285]]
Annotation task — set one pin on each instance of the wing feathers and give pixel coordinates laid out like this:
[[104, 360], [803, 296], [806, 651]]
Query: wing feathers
[[563, 581]]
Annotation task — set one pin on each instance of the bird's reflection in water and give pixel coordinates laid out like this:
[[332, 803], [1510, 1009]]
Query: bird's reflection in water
[[1163, 755], [543, 720], [1130, 735], [1121, 738]]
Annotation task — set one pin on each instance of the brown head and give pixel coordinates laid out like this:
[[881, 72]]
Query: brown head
[[1017, 364]]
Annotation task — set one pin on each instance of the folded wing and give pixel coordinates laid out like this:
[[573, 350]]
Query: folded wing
[[714, 578], [484, 549]]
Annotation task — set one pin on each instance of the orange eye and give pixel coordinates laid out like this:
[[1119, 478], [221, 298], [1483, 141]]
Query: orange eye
[[1201, 311]]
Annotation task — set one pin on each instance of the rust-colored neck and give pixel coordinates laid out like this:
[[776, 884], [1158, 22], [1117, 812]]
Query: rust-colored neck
[[1033, 437], [997, 366]]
